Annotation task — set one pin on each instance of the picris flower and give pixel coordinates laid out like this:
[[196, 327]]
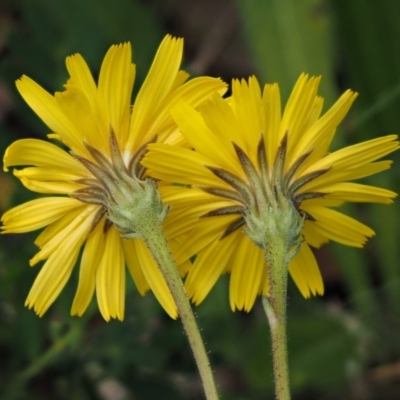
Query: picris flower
[[103, 139], [249, 159]]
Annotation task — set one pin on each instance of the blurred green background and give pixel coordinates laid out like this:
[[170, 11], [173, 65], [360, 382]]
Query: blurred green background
[[342, 346]]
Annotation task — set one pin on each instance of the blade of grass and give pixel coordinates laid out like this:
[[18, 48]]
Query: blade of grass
[[368, 35]]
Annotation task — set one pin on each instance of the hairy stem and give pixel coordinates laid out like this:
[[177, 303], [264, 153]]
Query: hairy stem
[[275, 310], [159, 248]]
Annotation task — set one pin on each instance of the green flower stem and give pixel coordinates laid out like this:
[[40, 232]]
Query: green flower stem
[[275, 226], [275, 309], [44, 360], [159, 248], [281, 244]]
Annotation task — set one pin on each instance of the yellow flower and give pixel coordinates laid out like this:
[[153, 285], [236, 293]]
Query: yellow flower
[[247, 151], [100, 128]]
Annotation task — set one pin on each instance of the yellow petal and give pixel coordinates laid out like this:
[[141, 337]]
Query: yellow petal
[[209, 265], [207, 231], [175, 164], [351, 161], [264, 284], [345, 174], [272, 106], [184, 219], [158, 83], [36, 214], [339, 227], [90, 261], [315, 112], [134, 266], [40, 154], [297, 110], [180, 195], [180, 79], [84, 219], [193, 93], [115, 89], [247, 270], [222, 122], [46, 107], [319, 136], [110, 277], [305, 272], [355, 192], [155, 279], [56, 271], [56, 227], [248, 106], [313, 238], [46, 174], [82, 77], [203, 139], [50, 187], [92, 125]]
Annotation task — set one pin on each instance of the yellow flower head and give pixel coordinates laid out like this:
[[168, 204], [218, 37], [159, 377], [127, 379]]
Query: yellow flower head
[[106, 138], [248, 154]]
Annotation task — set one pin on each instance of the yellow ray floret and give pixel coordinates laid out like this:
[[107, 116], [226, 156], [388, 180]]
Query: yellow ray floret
[[103, 137], [247, 150]]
